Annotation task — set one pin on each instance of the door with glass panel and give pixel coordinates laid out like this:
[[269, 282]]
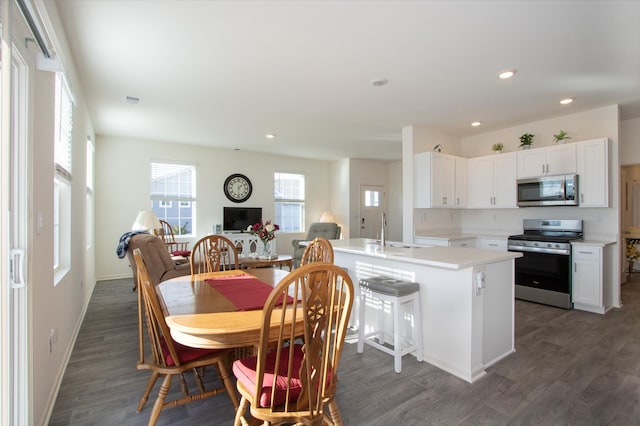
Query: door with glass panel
[[372, 198]]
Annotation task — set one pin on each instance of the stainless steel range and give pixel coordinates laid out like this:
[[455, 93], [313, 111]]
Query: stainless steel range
[[543, 273]]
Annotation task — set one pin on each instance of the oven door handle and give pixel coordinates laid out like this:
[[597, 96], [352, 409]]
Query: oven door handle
[[544, 250]]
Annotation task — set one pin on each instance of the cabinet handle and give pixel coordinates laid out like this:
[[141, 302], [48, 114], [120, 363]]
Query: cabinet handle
[[575, 267], [585, 252], [493, 245], [444, 200], [457, 201], [581, 197], [543, 169]]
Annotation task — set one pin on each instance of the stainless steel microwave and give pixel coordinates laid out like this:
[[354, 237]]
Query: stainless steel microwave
[[558, 190]]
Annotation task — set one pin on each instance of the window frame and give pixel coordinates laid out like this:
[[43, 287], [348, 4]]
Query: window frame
[[162, 203], [63, 161], [281, 201]]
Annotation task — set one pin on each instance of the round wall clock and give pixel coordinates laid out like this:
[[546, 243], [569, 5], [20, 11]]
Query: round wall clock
[[237, 188]]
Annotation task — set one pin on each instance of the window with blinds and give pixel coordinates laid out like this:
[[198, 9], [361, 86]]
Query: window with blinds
[[62, 139], [173, 195], [289, 201], [63, 126]]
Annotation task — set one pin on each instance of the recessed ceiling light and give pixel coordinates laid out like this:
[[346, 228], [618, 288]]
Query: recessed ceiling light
[[476, 123], [566, 101], [270, 136], [379, 82], [507, 74], [132, 100]]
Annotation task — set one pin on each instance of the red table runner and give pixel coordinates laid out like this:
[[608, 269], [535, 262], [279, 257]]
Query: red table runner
[[244, 291]]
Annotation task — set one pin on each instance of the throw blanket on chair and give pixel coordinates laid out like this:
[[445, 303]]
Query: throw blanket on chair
[[123, 244]]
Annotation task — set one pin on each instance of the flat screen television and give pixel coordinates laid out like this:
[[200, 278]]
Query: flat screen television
[[237, 219]]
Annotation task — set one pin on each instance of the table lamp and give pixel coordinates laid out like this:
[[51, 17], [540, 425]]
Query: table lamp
[[146, 221]]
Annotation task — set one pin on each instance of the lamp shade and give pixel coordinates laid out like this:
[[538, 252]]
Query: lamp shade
[[327, 217], [146, 221]]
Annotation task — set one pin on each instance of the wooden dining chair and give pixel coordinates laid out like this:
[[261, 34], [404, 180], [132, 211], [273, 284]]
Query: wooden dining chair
[[213, 253], [290, 381], [318, 250], [169, 358], [168, 237]]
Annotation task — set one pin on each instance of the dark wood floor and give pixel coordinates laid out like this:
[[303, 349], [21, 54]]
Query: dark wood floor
[[570, 368]]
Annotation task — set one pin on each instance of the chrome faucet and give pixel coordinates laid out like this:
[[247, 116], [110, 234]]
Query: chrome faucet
[[383, 241]]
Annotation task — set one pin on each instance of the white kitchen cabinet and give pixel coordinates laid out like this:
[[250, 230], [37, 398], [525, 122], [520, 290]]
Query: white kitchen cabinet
[[593, 173], [427, 241], [446, 241], [460, 182], [463, 242], [435, 182], [499, 244], [588, 278], [492, 181], [551, 160]]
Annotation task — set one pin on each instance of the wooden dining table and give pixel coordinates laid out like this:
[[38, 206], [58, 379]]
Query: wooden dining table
[[202, 317]]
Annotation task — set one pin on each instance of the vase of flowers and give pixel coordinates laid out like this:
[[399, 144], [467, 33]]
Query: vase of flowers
[[266, 231]]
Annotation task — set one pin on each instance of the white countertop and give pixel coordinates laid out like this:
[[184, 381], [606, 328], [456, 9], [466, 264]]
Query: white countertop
[[453, 236], [436, 256], [592, 243]]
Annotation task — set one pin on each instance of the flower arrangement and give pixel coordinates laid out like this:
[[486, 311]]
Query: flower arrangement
[[265, 231]]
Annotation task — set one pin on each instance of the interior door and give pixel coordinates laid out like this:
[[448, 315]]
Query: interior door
[[372, 199]]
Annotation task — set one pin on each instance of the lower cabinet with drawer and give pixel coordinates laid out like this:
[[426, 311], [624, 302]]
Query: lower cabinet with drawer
[[499, 244], [588, 278]]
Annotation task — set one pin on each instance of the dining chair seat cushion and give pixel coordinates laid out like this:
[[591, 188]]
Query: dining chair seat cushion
[[184, 253], [245, 372], [185, 353]]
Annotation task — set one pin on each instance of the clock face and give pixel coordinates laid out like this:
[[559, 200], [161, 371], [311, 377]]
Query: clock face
[[237, 188]]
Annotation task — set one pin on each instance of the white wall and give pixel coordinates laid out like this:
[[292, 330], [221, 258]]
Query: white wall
[[122, 189], [340, 193], [630, 141], [59, 307]]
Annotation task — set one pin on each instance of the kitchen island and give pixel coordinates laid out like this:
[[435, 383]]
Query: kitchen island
[[466, 298]]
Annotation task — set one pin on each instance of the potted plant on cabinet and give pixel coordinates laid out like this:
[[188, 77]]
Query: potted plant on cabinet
[[526, 140], [497, 147], [561, 137]]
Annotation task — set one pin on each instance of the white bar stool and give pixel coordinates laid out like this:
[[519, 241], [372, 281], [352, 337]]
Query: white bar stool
[[397, 293]]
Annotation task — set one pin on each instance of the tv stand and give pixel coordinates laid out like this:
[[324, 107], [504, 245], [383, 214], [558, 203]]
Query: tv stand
[[248, 245]]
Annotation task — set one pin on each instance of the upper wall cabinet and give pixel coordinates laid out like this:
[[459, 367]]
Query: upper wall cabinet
[[552, 160], [436, 180], [492, 181], [593, 172]]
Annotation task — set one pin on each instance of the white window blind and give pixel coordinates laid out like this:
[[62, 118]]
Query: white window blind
[[289, 187], [170, 182], [63, 126]]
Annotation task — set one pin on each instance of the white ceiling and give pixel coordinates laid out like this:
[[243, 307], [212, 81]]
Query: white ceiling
[[225, 73]]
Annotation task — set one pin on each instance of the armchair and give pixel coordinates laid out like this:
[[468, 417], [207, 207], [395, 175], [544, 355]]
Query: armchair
[[328, 230], [158, 260]]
